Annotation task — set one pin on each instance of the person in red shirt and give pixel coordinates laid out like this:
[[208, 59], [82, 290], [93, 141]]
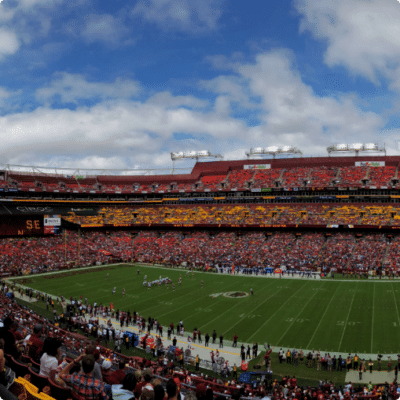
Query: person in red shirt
[[117, 377], [235, 338], [35, 344]]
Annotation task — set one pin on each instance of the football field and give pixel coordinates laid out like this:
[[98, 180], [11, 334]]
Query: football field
[[327, 315]]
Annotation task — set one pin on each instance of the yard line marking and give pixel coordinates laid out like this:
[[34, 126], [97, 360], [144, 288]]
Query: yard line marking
[[219, 316], [395, 303], [276, 311], [241, 319], [320, 321], [294, 320], [347, 319], [373, 312]]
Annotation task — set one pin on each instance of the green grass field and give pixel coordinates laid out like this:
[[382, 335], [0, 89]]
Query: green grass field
[[330, 315]]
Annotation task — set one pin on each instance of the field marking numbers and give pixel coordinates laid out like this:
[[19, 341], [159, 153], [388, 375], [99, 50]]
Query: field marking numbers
[[300, 320], [326, 309], [350, 323], [254, 309], [299, 314], [347, 319], [276, 311]]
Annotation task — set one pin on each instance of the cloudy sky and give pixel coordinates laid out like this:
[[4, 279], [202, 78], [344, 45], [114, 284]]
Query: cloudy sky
[[121, 84]]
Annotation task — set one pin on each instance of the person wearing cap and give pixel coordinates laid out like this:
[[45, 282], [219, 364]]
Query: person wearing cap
[[106, 369], [147, 393], [83, 384], [146, 380]]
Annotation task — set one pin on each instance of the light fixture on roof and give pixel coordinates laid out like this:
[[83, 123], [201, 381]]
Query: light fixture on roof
[[356, 148], [179, 155], [273, 150]]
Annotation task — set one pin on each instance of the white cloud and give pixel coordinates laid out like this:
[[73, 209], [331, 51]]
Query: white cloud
[[9, 43], [363, 36], [105, 28], [166, 99], [74, 87], [192, 16], [122, 132]]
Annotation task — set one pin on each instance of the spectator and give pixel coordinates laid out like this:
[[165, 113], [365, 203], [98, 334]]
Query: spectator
[[159, 392], [105, 369], [125, 390], [118, 376], [84, 384], [91, 350], [172, 390], [6, 333], [50, 357], [34, 343]]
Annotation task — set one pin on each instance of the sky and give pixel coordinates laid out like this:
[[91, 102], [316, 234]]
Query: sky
[[122, 84]]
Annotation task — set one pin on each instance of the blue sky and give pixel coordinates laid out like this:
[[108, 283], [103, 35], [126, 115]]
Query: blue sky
[[121, 84]]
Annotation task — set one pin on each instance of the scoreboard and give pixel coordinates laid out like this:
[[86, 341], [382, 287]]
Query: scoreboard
[[23, 225]]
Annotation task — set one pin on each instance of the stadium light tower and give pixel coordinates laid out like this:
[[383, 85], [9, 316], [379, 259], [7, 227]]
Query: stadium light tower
[[192, 154], [356, 148], [273, 150]]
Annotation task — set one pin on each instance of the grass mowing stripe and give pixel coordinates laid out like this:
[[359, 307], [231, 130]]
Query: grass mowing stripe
[[347, 319], [276, 311], [294, 319], [321, 319]]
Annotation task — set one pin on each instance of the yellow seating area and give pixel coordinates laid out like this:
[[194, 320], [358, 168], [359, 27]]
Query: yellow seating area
[[304, 214], [25, 390]]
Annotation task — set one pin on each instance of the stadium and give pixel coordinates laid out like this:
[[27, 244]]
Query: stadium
[[199, 200], [294, 253]]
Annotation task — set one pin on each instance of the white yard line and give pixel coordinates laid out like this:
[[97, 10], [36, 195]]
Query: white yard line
[[395, 303], [275, 312], [373, 315], [287, 330], [241, 319], [347, 319], [321, 319]]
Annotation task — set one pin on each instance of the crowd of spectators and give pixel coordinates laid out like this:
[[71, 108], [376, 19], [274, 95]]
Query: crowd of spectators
[[271, 214], [314, 251], [318, 176]]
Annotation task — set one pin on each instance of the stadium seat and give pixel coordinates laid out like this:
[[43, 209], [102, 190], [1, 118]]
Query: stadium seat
[[39, 381]]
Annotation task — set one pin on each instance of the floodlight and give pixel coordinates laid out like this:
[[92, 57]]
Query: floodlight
[[272, 149], [341, 146], [371, 146], [356, 146], [287, 148]]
